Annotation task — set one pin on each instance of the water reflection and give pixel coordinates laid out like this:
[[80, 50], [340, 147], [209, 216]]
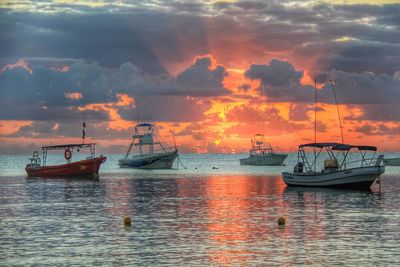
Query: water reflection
[[215, 220]]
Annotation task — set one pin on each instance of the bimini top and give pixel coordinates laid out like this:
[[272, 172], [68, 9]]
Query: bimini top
[[319, 145], [338, 146], [144, 125], [348, 147], [68, 146]]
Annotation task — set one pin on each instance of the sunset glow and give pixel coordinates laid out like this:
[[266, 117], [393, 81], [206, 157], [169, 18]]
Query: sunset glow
[[213, 78]]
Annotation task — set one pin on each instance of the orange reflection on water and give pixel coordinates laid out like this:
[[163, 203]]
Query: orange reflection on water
[[234, 208], [119, 193]]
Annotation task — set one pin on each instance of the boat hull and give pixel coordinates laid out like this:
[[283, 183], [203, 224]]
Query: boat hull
[[264, 160], [392, 162], [150, 161], [357, 178], [83, 168]]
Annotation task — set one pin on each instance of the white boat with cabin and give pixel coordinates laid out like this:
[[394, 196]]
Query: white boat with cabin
[[337, 170], [262, 154], [148, 151]]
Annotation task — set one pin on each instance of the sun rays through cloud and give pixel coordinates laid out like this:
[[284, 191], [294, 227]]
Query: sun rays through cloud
[[213, 73]]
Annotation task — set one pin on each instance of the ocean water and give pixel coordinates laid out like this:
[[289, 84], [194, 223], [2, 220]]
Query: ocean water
[[213, 213]]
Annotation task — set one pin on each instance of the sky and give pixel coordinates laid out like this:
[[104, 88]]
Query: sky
[[212, 73]]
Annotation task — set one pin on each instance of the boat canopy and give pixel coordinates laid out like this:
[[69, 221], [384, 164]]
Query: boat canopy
[[144, 125], [338, 146], [68, 146], [348, 147], [371, 148], [319, 145]]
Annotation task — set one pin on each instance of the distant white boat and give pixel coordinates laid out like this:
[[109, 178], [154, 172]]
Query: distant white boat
[[151, 153], [262, 154], [337, 171], [392, 162]]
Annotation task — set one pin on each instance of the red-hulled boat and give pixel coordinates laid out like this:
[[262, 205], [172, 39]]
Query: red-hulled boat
[[83, 168]]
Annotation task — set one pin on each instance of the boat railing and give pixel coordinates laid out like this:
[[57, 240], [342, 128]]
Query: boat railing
[[160, 150], [365, 162]]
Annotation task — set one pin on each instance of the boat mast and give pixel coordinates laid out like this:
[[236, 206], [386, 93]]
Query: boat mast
[[315, 111], [338, 112], [315, 123], [83, 129]]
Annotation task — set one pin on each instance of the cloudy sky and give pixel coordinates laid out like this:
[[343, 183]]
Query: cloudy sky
[[212, 72]]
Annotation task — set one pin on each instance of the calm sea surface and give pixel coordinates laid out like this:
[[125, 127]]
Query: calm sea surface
[[214, 213]]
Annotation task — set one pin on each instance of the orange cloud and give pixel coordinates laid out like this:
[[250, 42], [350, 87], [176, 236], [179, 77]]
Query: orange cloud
[[21, 63], [11, 126], [115, 122], [73, 95]]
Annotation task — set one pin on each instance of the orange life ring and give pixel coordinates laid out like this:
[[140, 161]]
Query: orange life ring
[[67, 154]]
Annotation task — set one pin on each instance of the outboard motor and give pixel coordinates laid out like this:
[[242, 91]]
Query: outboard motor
[[298, 168], [35, 160]]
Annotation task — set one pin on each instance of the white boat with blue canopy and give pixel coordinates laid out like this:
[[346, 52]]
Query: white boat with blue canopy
[[147, 151], [341, 167]]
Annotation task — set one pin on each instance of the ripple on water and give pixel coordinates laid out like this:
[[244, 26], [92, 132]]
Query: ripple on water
[[226, 220]]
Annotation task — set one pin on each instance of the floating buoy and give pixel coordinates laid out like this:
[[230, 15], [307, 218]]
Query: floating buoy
[[127, 221], [281, 222]]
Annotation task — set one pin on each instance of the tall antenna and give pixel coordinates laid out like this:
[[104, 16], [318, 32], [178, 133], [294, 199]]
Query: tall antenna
[[315, 123], [173, 136], [338, 112], [83, 128], [315, 110]]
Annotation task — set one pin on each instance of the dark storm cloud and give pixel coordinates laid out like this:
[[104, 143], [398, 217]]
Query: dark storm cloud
[[280, 82], [340, 42], [203, 80], [200, 79], [320, 32], [43, 94], [52, 128], [110, 39], [365, 88], [18, 111], [48, 87], [166, 108], [276, 73], [379, 129], [376, 94], [379, 112], [298, 112], [148, 33]]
